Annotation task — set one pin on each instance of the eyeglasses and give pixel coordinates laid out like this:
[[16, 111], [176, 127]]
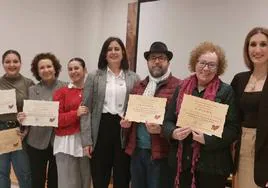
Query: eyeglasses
[[211, 65], [160, 58]]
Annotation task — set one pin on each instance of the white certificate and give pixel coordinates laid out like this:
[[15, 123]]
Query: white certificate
[[143, 108], [8, 101], [202, 115], [10, 141], [41, 113]]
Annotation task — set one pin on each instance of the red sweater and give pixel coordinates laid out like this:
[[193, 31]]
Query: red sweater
[[69, 101], [160, 146]]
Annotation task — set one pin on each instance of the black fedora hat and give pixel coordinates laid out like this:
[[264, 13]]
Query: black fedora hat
[[158, 47]]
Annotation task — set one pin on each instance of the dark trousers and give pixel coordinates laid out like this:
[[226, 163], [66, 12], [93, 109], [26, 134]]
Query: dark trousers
[[39, 161], [203, 180], [147, 172], [109, 156]]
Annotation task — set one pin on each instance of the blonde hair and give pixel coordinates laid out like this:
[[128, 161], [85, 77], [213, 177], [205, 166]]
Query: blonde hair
[[203, 48]]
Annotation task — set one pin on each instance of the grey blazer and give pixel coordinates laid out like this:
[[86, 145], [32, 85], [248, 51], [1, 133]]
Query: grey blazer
[[93, 98], [39, 137]]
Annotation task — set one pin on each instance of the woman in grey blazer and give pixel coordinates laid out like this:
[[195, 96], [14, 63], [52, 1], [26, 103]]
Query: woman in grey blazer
[[45, 68], [106, 94]]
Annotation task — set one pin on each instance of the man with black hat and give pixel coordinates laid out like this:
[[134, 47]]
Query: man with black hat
[[145, 144]]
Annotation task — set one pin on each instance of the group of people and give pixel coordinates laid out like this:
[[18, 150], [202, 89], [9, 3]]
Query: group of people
[[95, 141]]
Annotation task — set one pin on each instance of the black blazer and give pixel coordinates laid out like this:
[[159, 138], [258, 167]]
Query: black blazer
[[261, 145]]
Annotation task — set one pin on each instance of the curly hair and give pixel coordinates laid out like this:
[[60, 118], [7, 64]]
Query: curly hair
[[41, 56], [252, 32], [203, 48], [102, 64]]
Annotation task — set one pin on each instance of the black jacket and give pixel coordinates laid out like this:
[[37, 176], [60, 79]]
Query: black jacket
[[261, 145], [215, 155]]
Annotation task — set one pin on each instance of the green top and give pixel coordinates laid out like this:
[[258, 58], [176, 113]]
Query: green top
[[215, 154], [143, 137], [21, 84]]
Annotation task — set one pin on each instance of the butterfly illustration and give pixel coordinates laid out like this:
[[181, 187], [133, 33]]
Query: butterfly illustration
[[215, 127], [51, 119], [16, 144], [157, 116]]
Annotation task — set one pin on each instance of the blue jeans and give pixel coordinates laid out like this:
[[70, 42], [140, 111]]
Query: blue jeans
[[20, 162], [148, 173]]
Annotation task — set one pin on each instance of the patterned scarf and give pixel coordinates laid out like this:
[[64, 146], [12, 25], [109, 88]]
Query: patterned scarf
[[151, 86], [187, 87]]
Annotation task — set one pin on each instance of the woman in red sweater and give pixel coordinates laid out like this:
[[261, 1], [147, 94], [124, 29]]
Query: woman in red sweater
[[72, 164]]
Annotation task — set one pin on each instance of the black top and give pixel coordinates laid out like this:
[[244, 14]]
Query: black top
[[215, 155], [249, 105], [261, 145]]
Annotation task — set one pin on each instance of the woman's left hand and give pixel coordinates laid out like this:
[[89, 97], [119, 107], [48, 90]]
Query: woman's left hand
[[23, 133], [82, 110], [198, 136], [153, 128]]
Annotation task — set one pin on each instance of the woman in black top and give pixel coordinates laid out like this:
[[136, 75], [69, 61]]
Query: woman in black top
[[200, 160], [251, 89]]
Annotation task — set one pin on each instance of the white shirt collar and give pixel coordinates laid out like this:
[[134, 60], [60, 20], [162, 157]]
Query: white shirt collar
[[120, 75], [71, 85]]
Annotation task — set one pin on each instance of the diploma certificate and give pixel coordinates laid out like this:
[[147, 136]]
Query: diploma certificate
[[8, 101], [10, 141], [41, 113], [202, 115], [143, 108]]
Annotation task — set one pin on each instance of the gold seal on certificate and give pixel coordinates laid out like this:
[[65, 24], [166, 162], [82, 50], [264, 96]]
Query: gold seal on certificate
[[10, 141], [202, 115], [41, 113], [8, 101], [143, 108]]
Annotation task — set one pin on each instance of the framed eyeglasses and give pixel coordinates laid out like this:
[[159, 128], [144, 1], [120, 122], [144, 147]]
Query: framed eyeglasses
[[211, 65], [160, 58]]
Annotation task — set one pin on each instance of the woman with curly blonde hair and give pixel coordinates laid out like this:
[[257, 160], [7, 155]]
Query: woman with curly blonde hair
[[200, 160]]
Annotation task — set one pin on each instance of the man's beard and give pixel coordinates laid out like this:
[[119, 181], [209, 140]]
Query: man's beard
[[157, 73]]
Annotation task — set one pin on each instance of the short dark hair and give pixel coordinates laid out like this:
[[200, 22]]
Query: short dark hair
[[41, 56], [252, 32], [80, 60], [10, 52], [102, 64]]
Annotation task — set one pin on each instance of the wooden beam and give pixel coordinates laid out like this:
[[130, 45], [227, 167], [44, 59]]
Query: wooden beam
[[131, 40], [133, 32]]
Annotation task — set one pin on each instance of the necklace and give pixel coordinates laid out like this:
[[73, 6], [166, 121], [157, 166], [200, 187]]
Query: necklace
[[254, 82]]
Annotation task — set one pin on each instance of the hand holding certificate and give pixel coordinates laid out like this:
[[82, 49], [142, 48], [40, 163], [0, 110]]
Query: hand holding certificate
[[41, 113], [146, 109], [202, 115], [10, 141], [8, 101]]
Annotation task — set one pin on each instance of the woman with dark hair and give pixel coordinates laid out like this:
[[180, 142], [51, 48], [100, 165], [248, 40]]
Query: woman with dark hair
[[12, 79], [106, 94], [45, 68], [200, 160], [72, 164], [251, 89]]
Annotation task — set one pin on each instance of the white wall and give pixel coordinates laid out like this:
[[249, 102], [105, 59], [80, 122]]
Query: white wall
[[71, 28], [100, 19], [183, 24], [34, 26]]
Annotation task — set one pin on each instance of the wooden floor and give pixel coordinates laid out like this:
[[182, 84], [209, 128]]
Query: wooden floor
[[14, 180]]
